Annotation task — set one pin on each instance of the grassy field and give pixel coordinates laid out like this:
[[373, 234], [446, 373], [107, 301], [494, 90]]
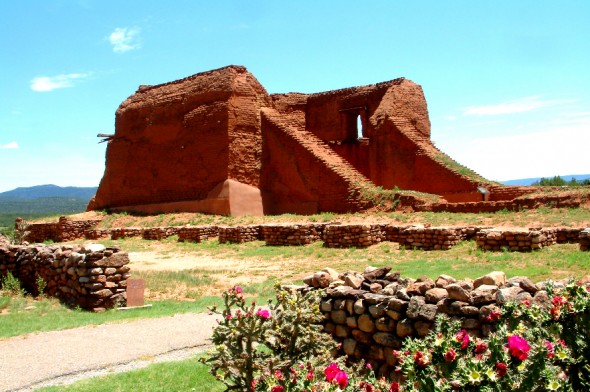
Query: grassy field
[[187, 277], [187, 375]]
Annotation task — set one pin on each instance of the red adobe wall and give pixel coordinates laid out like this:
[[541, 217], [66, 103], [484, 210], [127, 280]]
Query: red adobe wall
[[178, 141]]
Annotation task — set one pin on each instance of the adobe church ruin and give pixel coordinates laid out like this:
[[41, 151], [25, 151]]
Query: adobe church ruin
[[217, 142]]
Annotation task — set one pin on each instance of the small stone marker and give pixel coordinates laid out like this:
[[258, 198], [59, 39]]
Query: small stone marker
[[135, 290]]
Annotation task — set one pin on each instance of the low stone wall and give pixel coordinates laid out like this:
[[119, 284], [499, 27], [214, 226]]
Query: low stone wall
[[64, 230], [240, 234], [515, 240], [197, 233], [90, 276], [334, 235], [348, 236], [585, 240], [292, 235], [126, 232], [159, 233], [371, 313], [430, 238], [524, 203], [568, 235]]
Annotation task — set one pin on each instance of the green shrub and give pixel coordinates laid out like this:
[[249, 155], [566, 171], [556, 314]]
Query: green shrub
[[250, 341], [11, 286]]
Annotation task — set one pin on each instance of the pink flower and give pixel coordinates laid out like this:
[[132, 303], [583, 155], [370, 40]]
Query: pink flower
[[263, 313], [238, 289], [309, 375], [550, 349], [450, 355], [331, 371], [518, 347], [341, 379], [463, 338]]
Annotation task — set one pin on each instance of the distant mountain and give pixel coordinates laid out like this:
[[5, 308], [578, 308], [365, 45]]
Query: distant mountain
[[44, 191], [530, 181], [43, 200]]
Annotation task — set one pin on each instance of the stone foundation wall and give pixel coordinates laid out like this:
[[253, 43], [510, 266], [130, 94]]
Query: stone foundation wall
[[516, 240], [240, 234], [585, 240], [335, 235], [90, 276], [197, 233], [371, 313], [159, 233], [348, 236], [292, 235], [126, 232], [64, 230], [566, 201]]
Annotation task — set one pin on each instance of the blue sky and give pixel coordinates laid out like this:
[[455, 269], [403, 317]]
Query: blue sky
[[507, 82]]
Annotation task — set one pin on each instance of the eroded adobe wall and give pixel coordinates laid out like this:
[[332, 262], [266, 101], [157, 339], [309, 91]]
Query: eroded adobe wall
[[177, 141], [395, 148]]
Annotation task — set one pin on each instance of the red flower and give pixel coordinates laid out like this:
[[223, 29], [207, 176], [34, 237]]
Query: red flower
[[368, 387], [394, 387], [309, 375], [480, 347], [450, 355], [518, 347], [263, 313], [501, 369], [420, 359], [463, 338], [277, 388], [558, 300]]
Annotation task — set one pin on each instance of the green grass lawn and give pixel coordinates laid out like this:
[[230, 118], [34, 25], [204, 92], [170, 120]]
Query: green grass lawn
[[189, 375]]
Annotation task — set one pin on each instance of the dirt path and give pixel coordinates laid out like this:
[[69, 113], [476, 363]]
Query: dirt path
[[57, 357]]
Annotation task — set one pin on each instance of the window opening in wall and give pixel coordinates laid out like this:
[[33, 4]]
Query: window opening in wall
[[359, 126]]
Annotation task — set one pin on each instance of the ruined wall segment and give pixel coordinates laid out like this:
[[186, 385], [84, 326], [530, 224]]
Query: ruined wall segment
[[178, 141], [217, 142]]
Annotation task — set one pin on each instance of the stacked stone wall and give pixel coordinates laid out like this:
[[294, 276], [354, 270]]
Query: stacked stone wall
[[371, 313], [197, 233], [568, 235], [348, 236], [430, 238], [516, 240], [126, 232], [292, 235], [585, 240], [240, 234], [566, 201], [64, 230], [90, 276], [159, 233]]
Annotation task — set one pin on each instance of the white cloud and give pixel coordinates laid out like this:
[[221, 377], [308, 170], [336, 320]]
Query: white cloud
[[556, 150], [125, 39], [50, 83], [11, 145], [516, 106]]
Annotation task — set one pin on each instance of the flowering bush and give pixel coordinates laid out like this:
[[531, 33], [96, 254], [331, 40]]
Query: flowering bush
[[251, 341], [532, 349]]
